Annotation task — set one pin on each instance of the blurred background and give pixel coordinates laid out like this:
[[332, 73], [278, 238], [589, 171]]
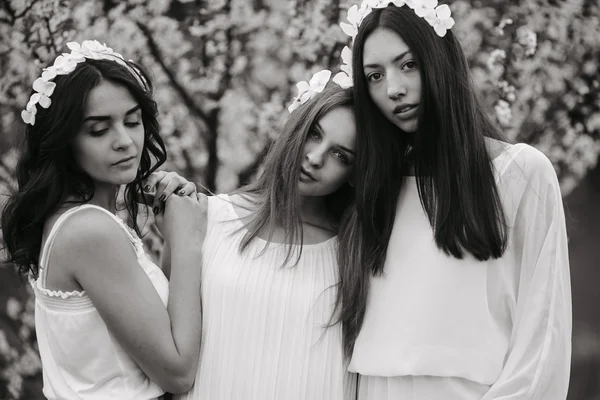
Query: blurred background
[[225, 71]]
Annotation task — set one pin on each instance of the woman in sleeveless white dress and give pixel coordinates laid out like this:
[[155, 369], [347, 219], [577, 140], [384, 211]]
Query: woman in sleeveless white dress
[[108, 327]]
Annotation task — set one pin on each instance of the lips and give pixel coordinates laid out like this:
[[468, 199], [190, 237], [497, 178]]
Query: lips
[[308, 174], [403, 110], [124, 160]]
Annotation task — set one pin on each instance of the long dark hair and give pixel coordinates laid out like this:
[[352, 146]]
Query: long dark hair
[[47, 174], [275, 192], [453, 169]]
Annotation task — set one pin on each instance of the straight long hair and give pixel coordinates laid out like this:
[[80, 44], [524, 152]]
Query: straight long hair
[[453, 169], [47, 173], [275, 192]]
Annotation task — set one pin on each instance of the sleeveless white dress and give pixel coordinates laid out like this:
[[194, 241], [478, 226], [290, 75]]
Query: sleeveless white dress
[[80, 358]]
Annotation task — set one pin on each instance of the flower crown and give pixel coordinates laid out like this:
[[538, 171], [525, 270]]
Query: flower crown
[[64, 65], [308, 90], [439, 17]]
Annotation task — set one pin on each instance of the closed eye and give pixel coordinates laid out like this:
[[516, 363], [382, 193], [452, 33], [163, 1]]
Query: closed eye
[[98, 132]]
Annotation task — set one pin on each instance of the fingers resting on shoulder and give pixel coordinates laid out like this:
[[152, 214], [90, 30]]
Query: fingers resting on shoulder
[[164, 184]]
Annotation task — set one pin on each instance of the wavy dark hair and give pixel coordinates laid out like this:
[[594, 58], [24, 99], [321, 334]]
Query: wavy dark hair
[[453, 169], [276, 198], [47, 174]]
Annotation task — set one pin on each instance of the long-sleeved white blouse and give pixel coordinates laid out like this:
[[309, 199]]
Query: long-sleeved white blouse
[[437, 327]]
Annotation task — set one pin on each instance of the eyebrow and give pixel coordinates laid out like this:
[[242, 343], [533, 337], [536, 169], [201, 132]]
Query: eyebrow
[[339, 145], [106, 117], [396, 59], [318, 127], [347, 149]]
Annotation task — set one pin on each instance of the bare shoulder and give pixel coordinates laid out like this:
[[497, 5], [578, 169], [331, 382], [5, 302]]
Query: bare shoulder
[[89, 234]]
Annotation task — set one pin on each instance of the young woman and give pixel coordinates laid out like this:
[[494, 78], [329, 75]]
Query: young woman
[[270, 272], [455, 270], [108, 327]]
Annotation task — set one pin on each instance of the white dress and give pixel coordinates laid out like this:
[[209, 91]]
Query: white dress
[[80, 357], [263, 335], [439, 328]]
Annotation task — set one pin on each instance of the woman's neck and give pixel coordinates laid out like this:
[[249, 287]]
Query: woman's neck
[[106, 197], [314, 212]]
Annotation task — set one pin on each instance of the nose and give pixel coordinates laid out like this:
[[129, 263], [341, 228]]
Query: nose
[[314, 156], [122, 140], [396, 86]]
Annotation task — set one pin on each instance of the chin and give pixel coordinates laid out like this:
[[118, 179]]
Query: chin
[[306, 192], [126, 178], [410, 127]]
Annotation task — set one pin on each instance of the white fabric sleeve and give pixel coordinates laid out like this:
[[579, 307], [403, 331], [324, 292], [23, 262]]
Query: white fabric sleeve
[[538, 361]]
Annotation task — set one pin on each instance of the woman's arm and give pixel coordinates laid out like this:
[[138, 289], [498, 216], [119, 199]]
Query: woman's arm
[[165, 257], [165, 342], [538, 363]]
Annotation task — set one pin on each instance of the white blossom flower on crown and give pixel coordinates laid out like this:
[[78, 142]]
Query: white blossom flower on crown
[[344, 78], [307, 90], [355, 16], [440, 19], [44, 87], [44, 90], [424, 7], [89, 49], [42, 100], [49, 74], [351, 28], [65, 64], [28, 115]]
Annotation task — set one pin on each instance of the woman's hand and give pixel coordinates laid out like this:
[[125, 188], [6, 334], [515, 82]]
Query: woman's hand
[[164, 184], [184, 220]]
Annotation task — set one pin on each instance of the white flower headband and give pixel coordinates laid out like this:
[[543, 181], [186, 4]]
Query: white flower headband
[[308, 90], [64, 65], [439, 17]]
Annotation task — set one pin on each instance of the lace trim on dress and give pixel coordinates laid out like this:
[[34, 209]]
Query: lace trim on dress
[[37, 285]]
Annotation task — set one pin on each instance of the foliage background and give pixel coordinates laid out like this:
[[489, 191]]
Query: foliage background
[[224, 71]]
